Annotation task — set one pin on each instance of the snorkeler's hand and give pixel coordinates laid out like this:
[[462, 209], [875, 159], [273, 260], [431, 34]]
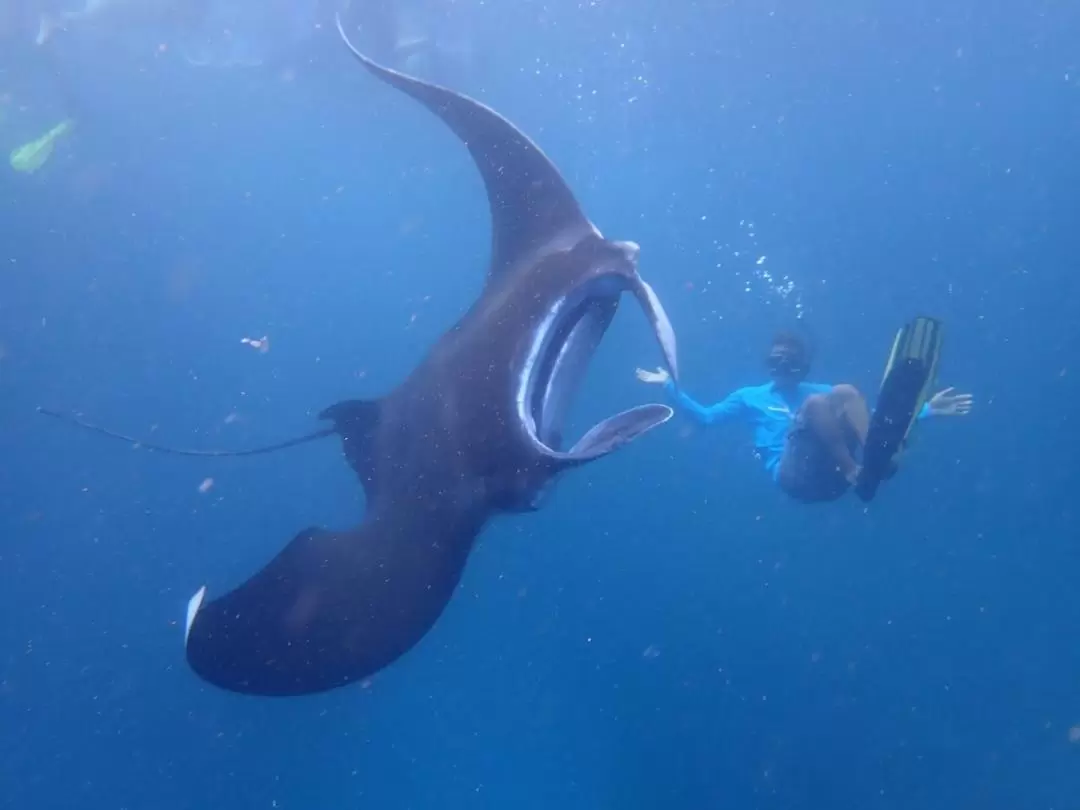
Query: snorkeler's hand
[[946, 403], [658, 377]]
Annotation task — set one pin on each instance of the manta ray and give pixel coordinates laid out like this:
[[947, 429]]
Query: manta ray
[[475, 430]]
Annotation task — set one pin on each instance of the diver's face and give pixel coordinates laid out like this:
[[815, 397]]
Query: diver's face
[[786, 366]]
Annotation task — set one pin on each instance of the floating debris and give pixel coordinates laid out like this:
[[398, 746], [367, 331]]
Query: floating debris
[[262, 344]]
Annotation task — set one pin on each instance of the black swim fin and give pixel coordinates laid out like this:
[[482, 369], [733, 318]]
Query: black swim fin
[[909, 378], [178, 451]]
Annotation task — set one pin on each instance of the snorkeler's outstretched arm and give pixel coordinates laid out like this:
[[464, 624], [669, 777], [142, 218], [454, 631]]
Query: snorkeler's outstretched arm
[[732, 405]]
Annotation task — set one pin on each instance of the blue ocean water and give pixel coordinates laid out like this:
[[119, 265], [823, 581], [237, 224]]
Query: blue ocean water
[[669, 631]]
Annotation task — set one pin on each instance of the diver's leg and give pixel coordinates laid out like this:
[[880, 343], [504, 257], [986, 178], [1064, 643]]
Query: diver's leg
[[825, 414], [851, 407], [857, 415], [807, 471]]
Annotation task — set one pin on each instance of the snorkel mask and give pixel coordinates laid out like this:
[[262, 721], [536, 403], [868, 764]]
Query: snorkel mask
[[788, 361]]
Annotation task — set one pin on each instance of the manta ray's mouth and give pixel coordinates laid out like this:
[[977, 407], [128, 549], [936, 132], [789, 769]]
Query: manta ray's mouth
[[563, 345]]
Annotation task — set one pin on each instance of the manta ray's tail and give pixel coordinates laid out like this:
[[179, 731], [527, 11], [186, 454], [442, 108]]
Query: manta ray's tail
[[252, 451]]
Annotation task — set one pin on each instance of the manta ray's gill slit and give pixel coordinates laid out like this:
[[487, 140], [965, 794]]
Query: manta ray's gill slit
[[527, 380], [551, 358]]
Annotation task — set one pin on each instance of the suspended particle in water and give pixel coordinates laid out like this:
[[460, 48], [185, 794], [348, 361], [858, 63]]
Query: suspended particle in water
[[261, 344]]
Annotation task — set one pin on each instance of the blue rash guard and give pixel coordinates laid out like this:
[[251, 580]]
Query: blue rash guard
[[768, 409]]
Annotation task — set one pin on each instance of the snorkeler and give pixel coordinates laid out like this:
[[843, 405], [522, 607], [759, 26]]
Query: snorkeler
[[809, 434]]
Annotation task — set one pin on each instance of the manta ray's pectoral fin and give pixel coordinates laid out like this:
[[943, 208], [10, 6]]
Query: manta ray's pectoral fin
[[333, 607], [323, 613], [615, 431], [533, 210], [356, 421], [268, 636]]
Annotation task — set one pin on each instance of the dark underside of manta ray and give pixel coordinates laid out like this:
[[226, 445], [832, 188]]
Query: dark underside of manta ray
[[476, 429]]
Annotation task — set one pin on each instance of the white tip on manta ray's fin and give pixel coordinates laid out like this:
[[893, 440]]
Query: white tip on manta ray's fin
[[193, 605]]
